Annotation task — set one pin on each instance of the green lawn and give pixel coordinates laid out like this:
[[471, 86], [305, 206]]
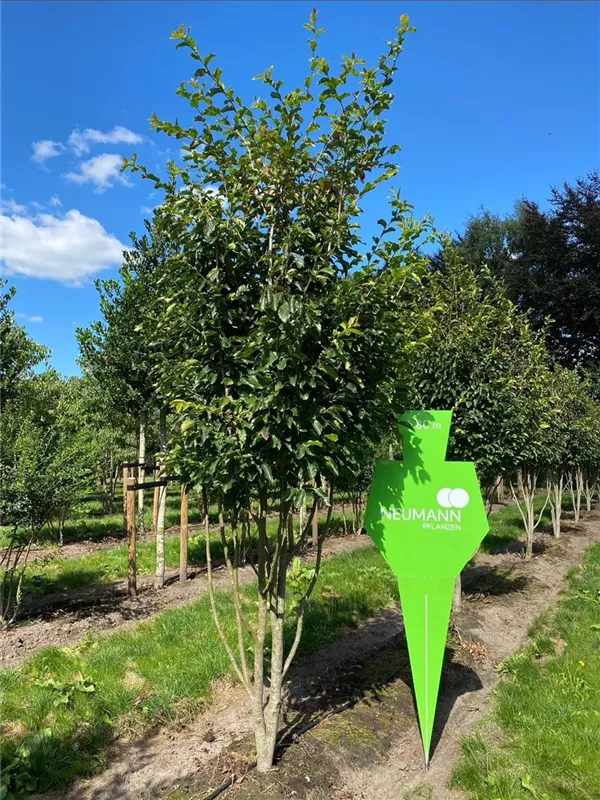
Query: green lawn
[[65, 704], [542, 740], [58, 574], [88, 521]]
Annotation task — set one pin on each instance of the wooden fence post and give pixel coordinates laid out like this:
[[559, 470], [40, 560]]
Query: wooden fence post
[[131, 538], [183, 535], [125, 479]]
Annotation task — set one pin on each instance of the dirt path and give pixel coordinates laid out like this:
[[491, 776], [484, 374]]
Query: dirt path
[[501, 627], [106, 607], [372, 750]]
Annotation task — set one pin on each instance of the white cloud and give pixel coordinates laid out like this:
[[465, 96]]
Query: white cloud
[[12, 207], [55, 200], [80, 141], [69, 249], [28, 317], [45, 149], [102, 171]]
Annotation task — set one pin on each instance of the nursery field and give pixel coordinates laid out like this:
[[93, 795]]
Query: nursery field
[[74, 711], [309, 506]]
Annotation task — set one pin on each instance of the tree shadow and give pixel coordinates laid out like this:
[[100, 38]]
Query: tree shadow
[[364, 681], [490, 581]]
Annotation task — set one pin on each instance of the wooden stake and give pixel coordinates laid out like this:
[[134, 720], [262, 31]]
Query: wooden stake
[[125, 479], [183, 536], [156, 501], [131, 538]]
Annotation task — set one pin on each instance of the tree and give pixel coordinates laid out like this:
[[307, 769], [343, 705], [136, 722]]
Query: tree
[[20, 354], [29, 497], [550, 261], [557, 269], [23, 450], [474, 362], [281, 346], [118, 353]]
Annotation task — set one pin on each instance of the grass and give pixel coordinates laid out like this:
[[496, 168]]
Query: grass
[[56, 574], [542, 739], [64, 706], [88, 521]]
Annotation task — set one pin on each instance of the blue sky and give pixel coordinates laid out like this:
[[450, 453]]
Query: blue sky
[[494, 101]]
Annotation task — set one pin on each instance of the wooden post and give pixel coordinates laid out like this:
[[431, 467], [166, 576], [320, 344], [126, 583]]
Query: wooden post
[[156, 500], [183, 535], [125, 479], [131, 538], [315, 527]]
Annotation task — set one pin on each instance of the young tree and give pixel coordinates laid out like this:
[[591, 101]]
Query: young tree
[[281, 345], [120, 355], [25, 497]]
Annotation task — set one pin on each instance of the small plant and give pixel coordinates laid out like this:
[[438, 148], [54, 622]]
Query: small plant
[[16, 776], [65, 691]]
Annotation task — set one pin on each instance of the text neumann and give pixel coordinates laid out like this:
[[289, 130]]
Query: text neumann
[[414, 514]]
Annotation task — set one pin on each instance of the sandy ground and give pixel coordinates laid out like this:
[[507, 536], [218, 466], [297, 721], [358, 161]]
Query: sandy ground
[[332, 762]]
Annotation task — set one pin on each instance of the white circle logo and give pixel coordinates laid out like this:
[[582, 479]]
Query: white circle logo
[[453, 498]]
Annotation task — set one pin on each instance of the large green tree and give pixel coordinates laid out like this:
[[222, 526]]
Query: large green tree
[[282, 352], [550, 261]]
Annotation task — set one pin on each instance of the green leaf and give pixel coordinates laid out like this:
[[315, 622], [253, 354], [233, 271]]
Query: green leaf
[[268, 473], [284, 311]]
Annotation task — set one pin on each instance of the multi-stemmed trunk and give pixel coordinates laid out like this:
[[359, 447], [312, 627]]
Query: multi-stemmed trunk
[[273, 560], [524, 498], [576, 490], [589, 488], [555, 494]]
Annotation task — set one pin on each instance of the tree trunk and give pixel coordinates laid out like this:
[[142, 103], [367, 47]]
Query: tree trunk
[[524, 498], [159, 580], [500, 489], [61, 527], [457, 599], [302, 515], [183, 535], [141, 476], [155, 503], [588, 490], [577, 492], [555, 491]]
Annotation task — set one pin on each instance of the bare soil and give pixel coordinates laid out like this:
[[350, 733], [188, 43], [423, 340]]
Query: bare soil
[[371, 747], [64, 619]]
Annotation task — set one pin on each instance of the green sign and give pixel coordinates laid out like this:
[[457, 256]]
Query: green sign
[[427, 517]]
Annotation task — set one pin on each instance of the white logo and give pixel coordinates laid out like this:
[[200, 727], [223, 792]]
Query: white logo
[[453, 498]]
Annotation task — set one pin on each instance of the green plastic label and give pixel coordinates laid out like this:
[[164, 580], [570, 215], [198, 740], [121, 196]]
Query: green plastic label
[[427, 517]]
